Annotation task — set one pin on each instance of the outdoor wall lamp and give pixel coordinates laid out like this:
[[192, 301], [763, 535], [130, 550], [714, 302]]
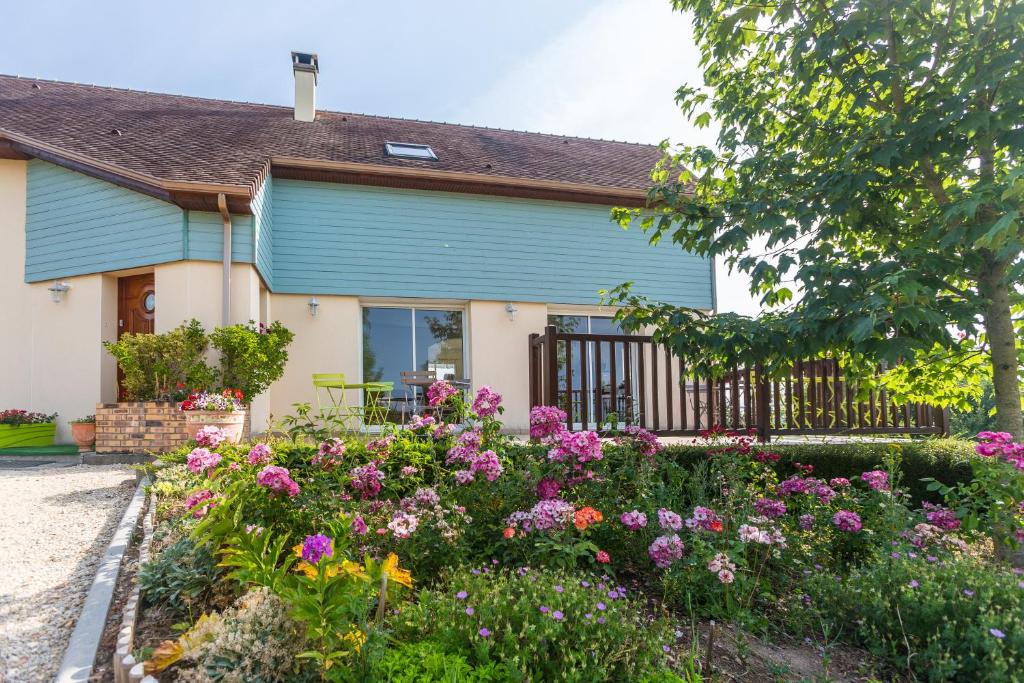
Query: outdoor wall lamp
[[511, 310], [57, 291], [313, 306]]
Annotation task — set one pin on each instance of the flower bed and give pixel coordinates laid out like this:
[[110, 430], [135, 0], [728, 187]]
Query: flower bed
[[518, 555]]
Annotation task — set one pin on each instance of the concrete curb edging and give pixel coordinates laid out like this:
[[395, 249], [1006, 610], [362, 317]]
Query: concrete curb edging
[[77, 663], [126, 669]]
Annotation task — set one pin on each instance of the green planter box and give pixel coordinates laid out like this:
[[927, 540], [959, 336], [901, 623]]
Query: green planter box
[[17, 436]]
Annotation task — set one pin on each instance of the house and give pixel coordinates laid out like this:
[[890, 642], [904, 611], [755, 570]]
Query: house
[[385, 244]]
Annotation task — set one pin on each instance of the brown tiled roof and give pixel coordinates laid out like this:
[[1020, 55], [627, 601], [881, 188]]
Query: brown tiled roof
[[184, 142]]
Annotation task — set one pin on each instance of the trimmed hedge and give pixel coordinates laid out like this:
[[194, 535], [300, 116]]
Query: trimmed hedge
[[946, 460]]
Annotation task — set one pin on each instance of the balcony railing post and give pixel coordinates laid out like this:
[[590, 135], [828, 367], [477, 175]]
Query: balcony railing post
[[763, 405], [534, 371], [551, 363]]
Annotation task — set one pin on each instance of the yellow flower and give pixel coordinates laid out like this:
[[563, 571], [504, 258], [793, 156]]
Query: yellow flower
[[354, 569], [310, 570], [402, 576], [356, 637]]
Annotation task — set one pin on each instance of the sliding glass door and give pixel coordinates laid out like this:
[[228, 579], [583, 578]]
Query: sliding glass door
[[397, 340]]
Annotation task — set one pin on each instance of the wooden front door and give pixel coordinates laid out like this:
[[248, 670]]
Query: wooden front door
[[136, 309]]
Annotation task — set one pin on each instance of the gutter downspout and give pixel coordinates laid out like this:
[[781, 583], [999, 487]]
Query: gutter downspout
[[222, 206]]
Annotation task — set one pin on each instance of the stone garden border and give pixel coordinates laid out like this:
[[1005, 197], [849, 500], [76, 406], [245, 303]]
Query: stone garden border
[[77, 663], [125, 667]]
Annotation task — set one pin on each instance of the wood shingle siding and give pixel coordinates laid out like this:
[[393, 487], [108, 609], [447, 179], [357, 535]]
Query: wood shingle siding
[[206, 237], [347, 239], [76, 224]]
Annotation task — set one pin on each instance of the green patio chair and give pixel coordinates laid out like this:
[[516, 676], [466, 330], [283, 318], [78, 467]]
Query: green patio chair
[[330, 396], [375, 405]]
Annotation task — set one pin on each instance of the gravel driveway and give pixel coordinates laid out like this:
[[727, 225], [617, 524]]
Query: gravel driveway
[[55, 524]]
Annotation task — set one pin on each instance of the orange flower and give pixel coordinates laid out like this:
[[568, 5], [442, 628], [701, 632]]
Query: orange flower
[[587, 516], [509, 532], [716, 526]]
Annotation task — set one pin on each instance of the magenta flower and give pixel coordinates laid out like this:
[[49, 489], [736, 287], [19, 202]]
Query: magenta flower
[[260, 454], [195, 502], [439, 392], [277, 479], [403, 525], [316, 547], [463, 477], [633, 520], [877, 480], [210, 436], [484, 632], [770, 507], [366, 479], [359, 525], [806, 522], [580, 447], [665, 550], [202, 460], [486, 463], [487, 402], [547, 422], [646, 442], [548, 488], [669, 521], [846, 520]]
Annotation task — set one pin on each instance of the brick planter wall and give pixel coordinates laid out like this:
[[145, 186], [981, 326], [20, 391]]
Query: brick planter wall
[[139, 427], [142, 427]]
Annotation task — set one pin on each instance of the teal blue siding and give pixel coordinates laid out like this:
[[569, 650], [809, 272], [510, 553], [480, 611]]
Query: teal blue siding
[[76, 224], [263, 230], [346, 239], [206, 237]]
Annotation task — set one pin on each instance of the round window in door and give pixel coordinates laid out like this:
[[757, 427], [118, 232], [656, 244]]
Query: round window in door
[[149, 302]]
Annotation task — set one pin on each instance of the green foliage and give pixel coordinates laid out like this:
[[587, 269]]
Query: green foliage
[[253, 356], [939, 629], [426, 662], [156, 366], [977, 416], [868, 157], [180, 577], [581, 634]]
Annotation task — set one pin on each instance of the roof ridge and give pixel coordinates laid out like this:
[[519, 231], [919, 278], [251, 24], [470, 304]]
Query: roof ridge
[[326, 111]]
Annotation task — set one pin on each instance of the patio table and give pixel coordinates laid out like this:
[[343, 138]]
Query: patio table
[[370, 410]]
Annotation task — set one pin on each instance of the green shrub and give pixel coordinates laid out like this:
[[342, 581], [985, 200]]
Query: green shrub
[[252, 356], [155, 366], [945, 460], [427, 662], [542, 625], [180, 577], [955, 619]]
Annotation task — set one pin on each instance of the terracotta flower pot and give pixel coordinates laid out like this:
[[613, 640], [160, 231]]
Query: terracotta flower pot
[[231, 422], [84, 434]]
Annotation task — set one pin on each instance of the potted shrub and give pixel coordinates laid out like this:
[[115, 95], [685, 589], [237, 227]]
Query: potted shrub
[[83, 431], [225, 410], [20, 428]]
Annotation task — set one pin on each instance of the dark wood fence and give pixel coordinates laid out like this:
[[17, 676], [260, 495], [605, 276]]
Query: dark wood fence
[[599, 379]]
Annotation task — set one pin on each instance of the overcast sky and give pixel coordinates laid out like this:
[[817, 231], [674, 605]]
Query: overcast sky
[[596, 68]]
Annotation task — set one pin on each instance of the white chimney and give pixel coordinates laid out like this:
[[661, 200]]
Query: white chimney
[[306, 66]]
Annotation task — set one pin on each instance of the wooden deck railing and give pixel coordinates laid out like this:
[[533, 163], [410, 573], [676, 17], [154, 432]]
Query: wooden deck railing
[[628, 379]]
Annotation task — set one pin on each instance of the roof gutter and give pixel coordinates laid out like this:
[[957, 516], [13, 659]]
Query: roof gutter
[[225, 295]]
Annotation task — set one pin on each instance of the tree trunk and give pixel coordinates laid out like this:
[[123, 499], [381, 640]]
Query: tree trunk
[[1001, 340]]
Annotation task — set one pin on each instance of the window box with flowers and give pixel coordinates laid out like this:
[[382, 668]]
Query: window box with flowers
[[20, 428], [224, 410]]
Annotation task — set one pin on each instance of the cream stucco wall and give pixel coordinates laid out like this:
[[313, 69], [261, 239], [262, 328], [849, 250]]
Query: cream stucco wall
[[51, 356], [498, 354], [331, 342]]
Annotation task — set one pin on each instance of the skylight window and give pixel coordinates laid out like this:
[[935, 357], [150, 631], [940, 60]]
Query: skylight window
[[408, 150]]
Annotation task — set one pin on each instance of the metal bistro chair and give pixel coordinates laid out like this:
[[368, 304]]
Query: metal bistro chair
[[330, 396], [375, 404], [413, 380]]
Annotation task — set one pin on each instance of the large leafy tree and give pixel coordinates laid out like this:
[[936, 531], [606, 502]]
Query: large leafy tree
[[874, 147]]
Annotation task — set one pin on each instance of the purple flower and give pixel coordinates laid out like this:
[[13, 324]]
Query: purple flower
[[543, 609], [469, 611], [462, 595], [847, 521], [669, 521], [359, 525], [968, 592], [997, 633], [633, 520], [877, 480], [600, 620], [770, 507], [277, 479], [666, 648], [601, 607], [259, 454], [558, 589], [548, 488], [665, 550], [557, 615], [914, 583], [806, 522], [484, 632], [315, 547]]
